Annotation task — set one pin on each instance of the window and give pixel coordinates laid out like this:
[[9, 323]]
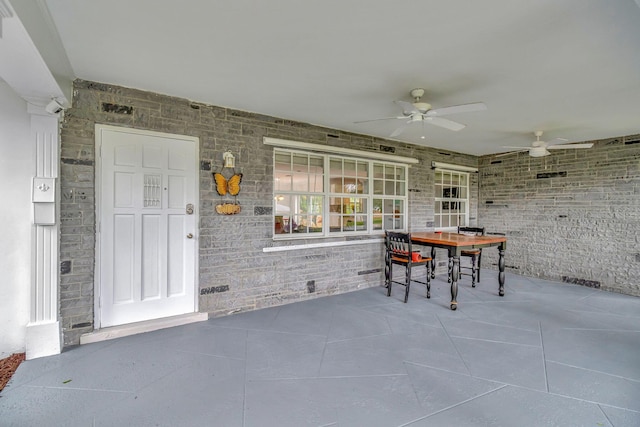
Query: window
[[451, 199], [322, 195], [390, 196]]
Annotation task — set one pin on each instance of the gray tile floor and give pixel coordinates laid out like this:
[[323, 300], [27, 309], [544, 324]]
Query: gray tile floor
[[547, 354]]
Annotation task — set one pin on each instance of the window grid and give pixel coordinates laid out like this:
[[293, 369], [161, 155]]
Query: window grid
[[298, 193], [350, 203], [451, 199]]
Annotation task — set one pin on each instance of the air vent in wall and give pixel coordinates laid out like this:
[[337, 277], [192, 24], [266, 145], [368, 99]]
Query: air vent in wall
[[117, 108], [387, 149], [551, 175]]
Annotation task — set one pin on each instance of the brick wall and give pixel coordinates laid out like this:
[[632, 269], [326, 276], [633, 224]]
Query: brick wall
[[234, 273], [573, 216]]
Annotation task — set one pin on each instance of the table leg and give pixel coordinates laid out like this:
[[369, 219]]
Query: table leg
[[454, 281], [433, 262], [501, 271], [387, 269]]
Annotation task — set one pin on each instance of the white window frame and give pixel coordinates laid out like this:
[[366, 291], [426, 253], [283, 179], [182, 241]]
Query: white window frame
[[369, 196], [439, 200]]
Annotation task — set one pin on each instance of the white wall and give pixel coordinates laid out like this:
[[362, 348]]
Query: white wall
[[16, 169]]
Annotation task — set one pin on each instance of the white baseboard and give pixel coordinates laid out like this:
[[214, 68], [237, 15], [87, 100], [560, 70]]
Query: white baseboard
[[141, 327]]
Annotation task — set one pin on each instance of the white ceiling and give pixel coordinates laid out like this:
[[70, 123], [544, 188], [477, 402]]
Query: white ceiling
[[570, 67]]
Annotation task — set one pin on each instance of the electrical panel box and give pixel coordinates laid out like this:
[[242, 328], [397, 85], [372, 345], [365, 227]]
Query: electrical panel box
[[43, 196]]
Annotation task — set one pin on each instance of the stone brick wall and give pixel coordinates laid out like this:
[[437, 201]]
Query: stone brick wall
[[235, 274], [573, 216]]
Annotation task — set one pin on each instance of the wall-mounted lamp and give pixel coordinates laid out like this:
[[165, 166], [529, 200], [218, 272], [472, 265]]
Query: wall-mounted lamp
[[229, 160], [53, 107]]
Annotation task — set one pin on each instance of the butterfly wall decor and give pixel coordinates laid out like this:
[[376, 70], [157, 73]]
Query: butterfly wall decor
[[226, 186]]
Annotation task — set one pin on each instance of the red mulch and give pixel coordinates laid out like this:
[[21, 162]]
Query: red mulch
[[8, 366]]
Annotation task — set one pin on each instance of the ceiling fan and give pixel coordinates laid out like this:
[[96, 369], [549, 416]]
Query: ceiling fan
[[541, 148], [421, 112]]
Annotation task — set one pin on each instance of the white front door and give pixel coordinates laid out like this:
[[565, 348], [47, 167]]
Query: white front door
[[147, 225]]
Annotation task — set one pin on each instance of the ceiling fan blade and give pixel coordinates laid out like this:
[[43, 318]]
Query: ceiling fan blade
[[565, 146], [399, 130], [456, 109], [376, 120], [445, 123], [516, 148], [407, 108], [556, 141]]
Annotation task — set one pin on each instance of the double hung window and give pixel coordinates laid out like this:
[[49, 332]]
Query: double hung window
[[323, 195], [451, 199]]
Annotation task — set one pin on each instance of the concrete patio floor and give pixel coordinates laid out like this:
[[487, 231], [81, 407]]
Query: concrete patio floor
[[546, 354]]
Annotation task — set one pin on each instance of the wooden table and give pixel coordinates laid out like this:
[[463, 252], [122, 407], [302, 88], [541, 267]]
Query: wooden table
[[456, 243]]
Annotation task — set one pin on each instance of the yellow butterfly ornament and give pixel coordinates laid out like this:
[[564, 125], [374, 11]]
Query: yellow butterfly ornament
[[224, 185]]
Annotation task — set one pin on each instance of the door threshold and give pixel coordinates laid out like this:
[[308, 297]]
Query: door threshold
[[141, 327]]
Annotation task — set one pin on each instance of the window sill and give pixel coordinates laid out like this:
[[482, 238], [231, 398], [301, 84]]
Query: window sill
[[295, 247]]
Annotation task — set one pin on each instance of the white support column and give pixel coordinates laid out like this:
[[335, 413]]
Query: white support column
[[44, 336]]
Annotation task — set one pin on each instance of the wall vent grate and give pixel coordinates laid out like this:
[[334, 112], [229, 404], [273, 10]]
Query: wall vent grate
[[551, 175], [582, 282], [387, 149], [311, 286], [374, 270], [117, 108], [214, 289]]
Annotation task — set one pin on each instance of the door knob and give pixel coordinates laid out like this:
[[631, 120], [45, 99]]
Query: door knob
[[189, 236]]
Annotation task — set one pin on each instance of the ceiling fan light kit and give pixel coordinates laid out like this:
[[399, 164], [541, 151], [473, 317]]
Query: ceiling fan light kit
[[423, 107], [538, 152]]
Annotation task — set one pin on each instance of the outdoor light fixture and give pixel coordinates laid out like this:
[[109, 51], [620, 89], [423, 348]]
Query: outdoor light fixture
[[229, 160], [53, 107]]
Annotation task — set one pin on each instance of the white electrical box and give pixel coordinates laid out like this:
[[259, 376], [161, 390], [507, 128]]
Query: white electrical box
[[43, 196]]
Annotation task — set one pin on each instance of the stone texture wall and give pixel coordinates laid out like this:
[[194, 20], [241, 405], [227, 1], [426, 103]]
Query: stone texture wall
[[234, 272], [573, 216]]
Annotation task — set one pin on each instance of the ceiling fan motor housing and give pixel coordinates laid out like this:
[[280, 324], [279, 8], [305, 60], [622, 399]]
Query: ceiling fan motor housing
[[417, 93]]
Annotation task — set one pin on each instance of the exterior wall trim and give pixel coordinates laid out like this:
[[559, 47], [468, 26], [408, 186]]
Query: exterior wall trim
[[338, 150], [449, 166]]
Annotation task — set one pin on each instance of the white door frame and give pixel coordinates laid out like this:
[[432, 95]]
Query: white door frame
[[98, 196]]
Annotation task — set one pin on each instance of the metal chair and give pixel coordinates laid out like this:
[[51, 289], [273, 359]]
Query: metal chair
[[474, 254], [399, 252]]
